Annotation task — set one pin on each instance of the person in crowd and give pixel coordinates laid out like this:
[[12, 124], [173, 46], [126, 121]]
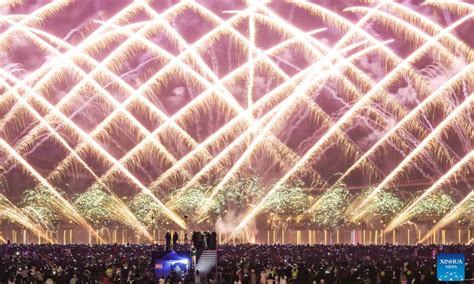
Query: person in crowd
[[213, 240], [168, 240], [194, 239], [73, 280], [200, 240], [175, 239], [206, 240], [263, 277], [197, 277], [193, 256]]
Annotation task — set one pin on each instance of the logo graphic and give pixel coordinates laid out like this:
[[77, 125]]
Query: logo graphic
[[450, 267]]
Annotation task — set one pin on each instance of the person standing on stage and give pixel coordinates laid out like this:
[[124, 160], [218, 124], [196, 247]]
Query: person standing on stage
[[175, 239], [168, 240]]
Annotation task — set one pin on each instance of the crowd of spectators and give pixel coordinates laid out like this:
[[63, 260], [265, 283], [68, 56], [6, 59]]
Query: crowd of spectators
[[74, 263], [341, 264], [249, 264]]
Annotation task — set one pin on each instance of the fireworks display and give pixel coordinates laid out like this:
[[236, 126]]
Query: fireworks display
[[141, 112]]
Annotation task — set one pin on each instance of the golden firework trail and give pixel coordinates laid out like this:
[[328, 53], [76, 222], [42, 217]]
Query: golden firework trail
[[123, 211], [432, 29], [303, 161], [286, 105], [431, 139], [277, 69], [459, 211], [343, 57], [457, 7], [232, 171], [126, 64], [61, 204], [110, 159], [461, 168], [9, 211], [349, 115]]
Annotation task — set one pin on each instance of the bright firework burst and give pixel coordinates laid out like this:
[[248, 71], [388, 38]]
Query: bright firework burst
[[165, 96], [330, 208]]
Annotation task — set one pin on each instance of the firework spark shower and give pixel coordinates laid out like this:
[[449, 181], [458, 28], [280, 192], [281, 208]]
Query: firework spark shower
[[173, 103]]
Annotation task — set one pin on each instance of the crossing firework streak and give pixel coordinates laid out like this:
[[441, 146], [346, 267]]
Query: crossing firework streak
[[160, 97]]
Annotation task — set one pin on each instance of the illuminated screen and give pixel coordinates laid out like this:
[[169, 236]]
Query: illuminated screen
[[167, 262]]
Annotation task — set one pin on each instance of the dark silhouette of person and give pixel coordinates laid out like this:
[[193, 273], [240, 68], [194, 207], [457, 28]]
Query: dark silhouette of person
[[200, 241], [213, 240], [168, 240], [206, 240], [175, 239], [194, 239]]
